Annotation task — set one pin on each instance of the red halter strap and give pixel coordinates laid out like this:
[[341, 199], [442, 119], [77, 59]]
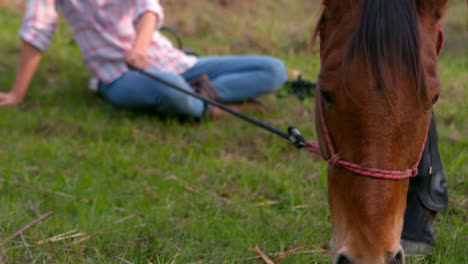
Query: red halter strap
[[440, 40], [336, 161]]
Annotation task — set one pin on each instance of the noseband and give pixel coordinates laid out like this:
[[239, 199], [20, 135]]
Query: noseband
[[335, 159]]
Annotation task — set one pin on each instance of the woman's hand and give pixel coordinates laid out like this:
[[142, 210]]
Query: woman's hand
[[138, 58], [11, 98], [138, 54]]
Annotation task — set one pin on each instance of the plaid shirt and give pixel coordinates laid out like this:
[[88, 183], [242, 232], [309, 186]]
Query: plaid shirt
[[104, 30]]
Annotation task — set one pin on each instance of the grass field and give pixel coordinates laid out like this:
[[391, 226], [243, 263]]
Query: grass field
[[153, 190]]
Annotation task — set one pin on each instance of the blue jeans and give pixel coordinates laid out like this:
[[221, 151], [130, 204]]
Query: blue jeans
[[237, 78]]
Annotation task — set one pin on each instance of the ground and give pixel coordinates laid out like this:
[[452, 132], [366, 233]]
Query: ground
[[141, 188]]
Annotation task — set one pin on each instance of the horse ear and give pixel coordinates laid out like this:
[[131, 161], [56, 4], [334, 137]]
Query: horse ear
[[434, 8]]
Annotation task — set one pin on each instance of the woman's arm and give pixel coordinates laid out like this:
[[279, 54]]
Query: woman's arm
[[39, 24], [29, 59], [145, 28]]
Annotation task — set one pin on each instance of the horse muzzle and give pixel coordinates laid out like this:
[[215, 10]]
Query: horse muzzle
[[398, 257]]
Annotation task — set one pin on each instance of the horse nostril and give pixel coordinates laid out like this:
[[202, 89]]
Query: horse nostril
[[342, 259], [399, 258]]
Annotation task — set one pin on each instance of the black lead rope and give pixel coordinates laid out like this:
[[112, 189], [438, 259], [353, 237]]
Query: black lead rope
[[293, 135]]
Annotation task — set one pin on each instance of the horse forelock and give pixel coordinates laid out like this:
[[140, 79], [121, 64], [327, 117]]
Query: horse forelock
[[387, 36]]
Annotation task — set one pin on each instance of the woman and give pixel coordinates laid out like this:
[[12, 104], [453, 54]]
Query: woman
[[111, 33]]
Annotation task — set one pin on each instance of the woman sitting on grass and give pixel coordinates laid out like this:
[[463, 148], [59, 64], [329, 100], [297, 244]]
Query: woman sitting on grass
[[111, 33]]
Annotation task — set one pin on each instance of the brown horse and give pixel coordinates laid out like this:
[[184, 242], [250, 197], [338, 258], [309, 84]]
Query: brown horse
[[378, 81]]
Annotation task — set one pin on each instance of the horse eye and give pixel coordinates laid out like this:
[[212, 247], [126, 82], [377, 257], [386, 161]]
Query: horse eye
[[327, 96], [435, 99]]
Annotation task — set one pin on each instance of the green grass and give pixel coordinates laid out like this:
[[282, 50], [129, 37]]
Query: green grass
[[193, 188]]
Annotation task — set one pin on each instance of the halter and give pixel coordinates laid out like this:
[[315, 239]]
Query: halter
[[335, 159]]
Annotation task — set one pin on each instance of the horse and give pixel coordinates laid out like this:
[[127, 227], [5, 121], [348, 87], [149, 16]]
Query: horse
[[377, 85]]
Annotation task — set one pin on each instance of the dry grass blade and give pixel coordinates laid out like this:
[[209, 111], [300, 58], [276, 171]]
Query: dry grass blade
[[194, 190], [259, 204], [318, 248], [123, 260], [293, 251], [287, 253], [128, 211], [34, 208], [64, 236], [214, 195], [100, 231], [26, 186], [31, 224], [183, 184], [301, 206], [259, 257], [68, 237], [282, 255], [84, 239], [60, 235], [26, 245], [124, 219], [265, 258]]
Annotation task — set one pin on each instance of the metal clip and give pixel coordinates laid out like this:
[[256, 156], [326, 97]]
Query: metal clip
[[296, 137]]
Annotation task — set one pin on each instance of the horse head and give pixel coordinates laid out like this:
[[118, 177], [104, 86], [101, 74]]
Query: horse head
[[378, 81]]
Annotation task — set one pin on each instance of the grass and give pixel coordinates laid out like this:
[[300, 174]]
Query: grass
[[191, 189]]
